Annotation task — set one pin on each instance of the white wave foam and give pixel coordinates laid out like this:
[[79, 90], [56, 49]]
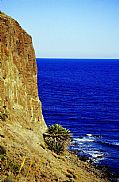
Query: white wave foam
[[96, 154], [84, 139], [116, 143], [89, 135]]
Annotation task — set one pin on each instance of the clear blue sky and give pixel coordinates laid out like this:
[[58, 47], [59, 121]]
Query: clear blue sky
[[69, 28]]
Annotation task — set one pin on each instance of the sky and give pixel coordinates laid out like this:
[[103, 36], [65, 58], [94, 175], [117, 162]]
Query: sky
[[69, 28]]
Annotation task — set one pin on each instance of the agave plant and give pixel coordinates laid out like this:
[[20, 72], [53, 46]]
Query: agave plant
[[57, 138]]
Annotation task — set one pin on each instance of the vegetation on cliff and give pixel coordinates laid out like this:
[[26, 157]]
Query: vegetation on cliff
[[57, 138]]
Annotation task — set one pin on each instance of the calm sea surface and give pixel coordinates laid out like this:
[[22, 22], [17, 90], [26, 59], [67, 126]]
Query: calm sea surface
[[83, 96]]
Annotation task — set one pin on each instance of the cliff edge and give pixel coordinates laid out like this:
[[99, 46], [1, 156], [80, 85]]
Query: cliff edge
[[23, 153], [18, 74]]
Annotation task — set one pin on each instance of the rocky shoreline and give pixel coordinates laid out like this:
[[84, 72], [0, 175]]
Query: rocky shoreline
[[104, 170]]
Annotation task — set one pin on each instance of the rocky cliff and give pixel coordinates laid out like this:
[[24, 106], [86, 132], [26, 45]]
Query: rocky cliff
[[23, 153], [18, 74]]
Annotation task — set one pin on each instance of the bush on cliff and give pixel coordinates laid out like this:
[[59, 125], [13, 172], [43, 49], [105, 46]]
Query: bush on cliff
[[57, 138]]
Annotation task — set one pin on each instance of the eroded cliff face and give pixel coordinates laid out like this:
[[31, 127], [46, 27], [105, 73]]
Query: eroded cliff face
[[18, 74]]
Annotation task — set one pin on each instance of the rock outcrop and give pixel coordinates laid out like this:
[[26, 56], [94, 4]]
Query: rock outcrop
[[18, 74]]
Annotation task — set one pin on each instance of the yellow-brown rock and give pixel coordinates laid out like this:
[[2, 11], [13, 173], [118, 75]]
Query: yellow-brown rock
[[18, 73]]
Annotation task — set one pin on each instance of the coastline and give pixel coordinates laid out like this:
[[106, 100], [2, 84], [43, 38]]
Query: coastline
[[23, 153], [86, 108], [103, 170]]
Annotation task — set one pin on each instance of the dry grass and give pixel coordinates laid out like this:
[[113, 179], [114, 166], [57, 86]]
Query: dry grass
[[28, 159]]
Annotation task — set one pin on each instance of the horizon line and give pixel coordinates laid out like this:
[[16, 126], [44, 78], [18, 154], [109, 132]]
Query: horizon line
[[75, 58]]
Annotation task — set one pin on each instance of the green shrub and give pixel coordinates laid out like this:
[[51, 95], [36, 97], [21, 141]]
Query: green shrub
[[57, 138]]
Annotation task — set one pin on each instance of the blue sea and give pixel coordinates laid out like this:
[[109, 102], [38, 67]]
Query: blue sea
[[83, 96]]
